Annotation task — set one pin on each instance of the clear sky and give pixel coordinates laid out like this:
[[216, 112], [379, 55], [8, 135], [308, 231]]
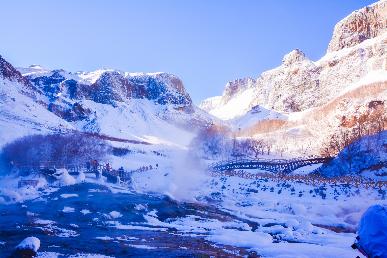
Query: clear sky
[[205, 42]]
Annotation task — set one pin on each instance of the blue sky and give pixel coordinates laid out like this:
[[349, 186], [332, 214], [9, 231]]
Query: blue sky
[[204, 42]]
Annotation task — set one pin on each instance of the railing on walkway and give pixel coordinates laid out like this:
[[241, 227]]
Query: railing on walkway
[[271, 165], [50, 168]]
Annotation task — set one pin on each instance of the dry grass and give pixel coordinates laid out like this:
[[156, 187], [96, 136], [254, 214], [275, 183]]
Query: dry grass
[[314, 180]]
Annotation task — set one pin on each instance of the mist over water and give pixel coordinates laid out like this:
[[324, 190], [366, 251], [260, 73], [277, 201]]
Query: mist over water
[[188, 176]]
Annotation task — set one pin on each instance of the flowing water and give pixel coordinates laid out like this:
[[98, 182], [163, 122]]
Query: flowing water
[[75, 219]]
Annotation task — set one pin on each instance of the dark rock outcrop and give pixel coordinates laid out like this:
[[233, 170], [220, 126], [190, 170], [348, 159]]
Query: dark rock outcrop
[[8, 72]]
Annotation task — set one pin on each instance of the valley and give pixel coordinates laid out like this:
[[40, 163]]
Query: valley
[[110, 163]]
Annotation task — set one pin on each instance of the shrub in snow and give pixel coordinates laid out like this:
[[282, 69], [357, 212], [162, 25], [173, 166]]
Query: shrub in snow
[[373, 231], [27, 248]]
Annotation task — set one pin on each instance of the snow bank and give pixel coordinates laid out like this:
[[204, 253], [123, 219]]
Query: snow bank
[[240, 238], [10, 192], [84, 211], [30, 243], [373, 231], [65, 178], [115, 214], [65, 196], [68, 209]]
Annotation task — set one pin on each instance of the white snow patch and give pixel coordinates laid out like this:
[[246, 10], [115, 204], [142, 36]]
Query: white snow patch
[[29, 243], [143, 246], [115, 214], [68, 209], [68, 195], [85, 211], [64, 178]]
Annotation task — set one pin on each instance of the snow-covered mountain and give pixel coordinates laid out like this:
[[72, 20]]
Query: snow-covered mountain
[[357, 48], [109, 86], [148, 107], [309, 101]]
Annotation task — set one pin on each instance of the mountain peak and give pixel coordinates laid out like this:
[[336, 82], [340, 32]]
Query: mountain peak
[[294, 56], [7, 71], [365, 23]]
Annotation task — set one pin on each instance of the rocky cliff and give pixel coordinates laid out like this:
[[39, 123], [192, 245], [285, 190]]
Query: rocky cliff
[[8, 72], [366, 23], [110, 86]]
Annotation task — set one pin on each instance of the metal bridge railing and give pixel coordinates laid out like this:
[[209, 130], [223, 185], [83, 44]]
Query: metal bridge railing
[[267, 164]]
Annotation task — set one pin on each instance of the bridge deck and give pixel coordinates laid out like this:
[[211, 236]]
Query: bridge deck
[[273, 165]]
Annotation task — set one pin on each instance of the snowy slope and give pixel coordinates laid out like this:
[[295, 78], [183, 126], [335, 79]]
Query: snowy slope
[[255, 115], [23, 111], [21, 115]]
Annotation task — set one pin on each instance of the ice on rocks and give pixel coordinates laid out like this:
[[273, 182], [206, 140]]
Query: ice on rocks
[[68, 209], [29, 243], [115, 214]]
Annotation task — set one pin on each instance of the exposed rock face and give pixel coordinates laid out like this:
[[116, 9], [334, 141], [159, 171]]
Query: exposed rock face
[[299, 83], [294, 57], [112, 86], [163, 88], [366, 23], [7, 71], [70, 112]]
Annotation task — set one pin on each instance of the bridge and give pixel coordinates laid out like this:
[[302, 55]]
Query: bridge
[[284, 166]]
